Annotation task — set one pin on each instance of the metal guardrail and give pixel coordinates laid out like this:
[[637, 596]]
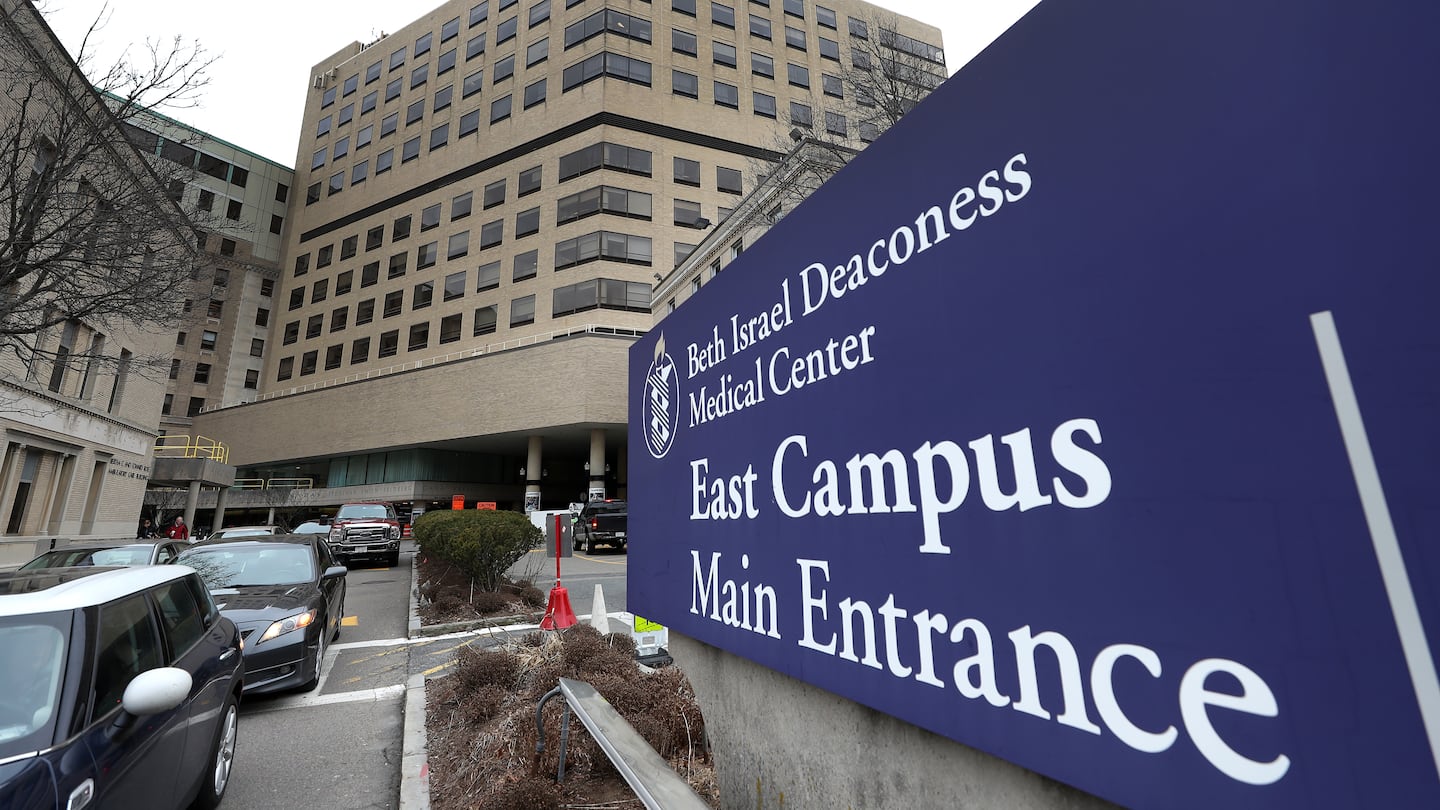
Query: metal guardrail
[[186, 446], [655, 783], [490, 348]]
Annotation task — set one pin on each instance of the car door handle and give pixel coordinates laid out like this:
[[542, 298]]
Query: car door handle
[[225, 655]]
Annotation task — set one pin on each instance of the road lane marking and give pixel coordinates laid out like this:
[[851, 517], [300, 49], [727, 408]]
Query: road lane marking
[[350, 621], [358, 696], [598, 560]]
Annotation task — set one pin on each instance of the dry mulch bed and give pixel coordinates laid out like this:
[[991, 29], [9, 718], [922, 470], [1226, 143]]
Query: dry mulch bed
[[447, 595], [480, 720]]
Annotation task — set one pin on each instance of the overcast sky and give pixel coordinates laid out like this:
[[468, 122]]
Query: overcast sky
[[267, 47]]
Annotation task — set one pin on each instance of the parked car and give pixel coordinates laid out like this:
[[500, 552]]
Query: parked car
[[602, 523], [246, 531], [119, 689], [368, 531], [286, 594], [156, 553]]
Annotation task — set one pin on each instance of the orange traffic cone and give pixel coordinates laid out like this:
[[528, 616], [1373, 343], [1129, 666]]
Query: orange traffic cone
[[558, 614]]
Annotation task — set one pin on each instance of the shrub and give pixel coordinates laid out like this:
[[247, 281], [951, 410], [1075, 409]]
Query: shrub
[[483, 544]]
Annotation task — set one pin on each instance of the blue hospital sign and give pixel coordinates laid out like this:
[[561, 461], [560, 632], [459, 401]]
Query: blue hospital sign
[[1091, 417]]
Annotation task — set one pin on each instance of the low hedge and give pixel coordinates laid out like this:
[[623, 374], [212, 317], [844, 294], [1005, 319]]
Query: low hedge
[[483, 544]]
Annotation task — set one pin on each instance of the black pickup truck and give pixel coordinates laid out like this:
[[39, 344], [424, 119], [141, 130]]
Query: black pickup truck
[[601, 523]]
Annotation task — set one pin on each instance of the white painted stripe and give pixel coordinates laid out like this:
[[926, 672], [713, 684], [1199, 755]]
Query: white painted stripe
[[1382, 529], [358, 696]]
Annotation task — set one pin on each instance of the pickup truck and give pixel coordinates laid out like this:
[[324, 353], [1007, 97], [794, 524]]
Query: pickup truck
[[601, 523], [368, 530]]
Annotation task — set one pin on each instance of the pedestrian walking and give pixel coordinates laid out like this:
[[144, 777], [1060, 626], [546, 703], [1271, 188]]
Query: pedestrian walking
[[178, 529]]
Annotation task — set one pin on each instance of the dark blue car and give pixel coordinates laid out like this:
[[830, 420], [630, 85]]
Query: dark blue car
[[119, 688]]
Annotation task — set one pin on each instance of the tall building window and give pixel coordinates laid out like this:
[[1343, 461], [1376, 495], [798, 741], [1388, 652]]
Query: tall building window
[[526, 265], [727, 95], [485, 320], [764, 104], [487, 277], [534, 93], [389, 343], [499, 109], [419, 337], [687, 172], [423, 295], [460, 206], [684, 84], [683, 42], [450, 328], [458, 245], [504, 69], [522, 311], [721, 14], [454, 286], [724, 54], [494, 194], [492, 233], [529, 181]]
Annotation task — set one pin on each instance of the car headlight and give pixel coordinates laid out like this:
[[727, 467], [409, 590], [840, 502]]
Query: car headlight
[[336, 534], [394, 532], [287, 624]]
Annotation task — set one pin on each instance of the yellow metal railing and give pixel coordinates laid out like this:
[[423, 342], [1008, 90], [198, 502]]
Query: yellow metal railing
[[273, 483], [185, 446]]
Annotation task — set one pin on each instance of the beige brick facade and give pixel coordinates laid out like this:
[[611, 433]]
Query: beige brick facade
[[382, 335]]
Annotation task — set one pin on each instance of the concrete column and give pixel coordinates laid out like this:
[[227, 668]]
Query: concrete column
[[270, 517], [220, 498], [192, 500], [597, 465], [64, 477], [9, 476], [533, 473]]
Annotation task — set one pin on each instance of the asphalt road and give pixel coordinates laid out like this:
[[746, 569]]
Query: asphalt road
[[339, 746]]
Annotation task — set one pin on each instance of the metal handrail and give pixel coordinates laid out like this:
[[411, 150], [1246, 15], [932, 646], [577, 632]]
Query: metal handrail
[[186, 446]]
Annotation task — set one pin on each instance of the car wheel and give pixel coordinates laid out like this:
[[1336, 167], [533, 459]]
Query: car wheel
[[576, 544], [394, 558], [622, 549], [319, 665], [222, 756], [589, 544]]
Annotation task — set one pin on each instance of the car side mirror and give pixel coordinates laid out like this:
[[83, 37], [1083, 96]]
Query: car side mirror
[[335, 571], [154, 691]]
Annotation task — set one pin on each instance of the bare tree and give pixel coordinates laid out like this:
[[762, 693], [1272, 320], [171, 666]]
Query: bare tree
[[91, 234], [885, 74], [167, 503]]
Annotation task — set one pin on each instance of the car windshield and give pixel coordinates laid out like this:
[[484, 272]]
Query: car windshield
[[607, 508], [238, 566], [312, 528], [30, 680], [120, 555], [361, 510]]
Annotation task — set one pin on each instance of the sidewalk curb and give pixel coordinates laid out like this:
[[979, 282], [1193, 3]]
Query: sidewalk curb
[[415, 756], [415, 761]]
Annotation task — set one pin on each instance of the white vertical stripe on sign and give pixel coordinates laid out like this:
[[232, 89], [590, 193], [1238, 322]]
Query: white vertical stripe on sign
[[1382, 529]]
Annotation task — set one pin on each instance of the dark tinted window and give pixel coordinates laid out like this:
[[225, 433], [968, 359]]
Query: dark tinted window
[[126, 646]]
